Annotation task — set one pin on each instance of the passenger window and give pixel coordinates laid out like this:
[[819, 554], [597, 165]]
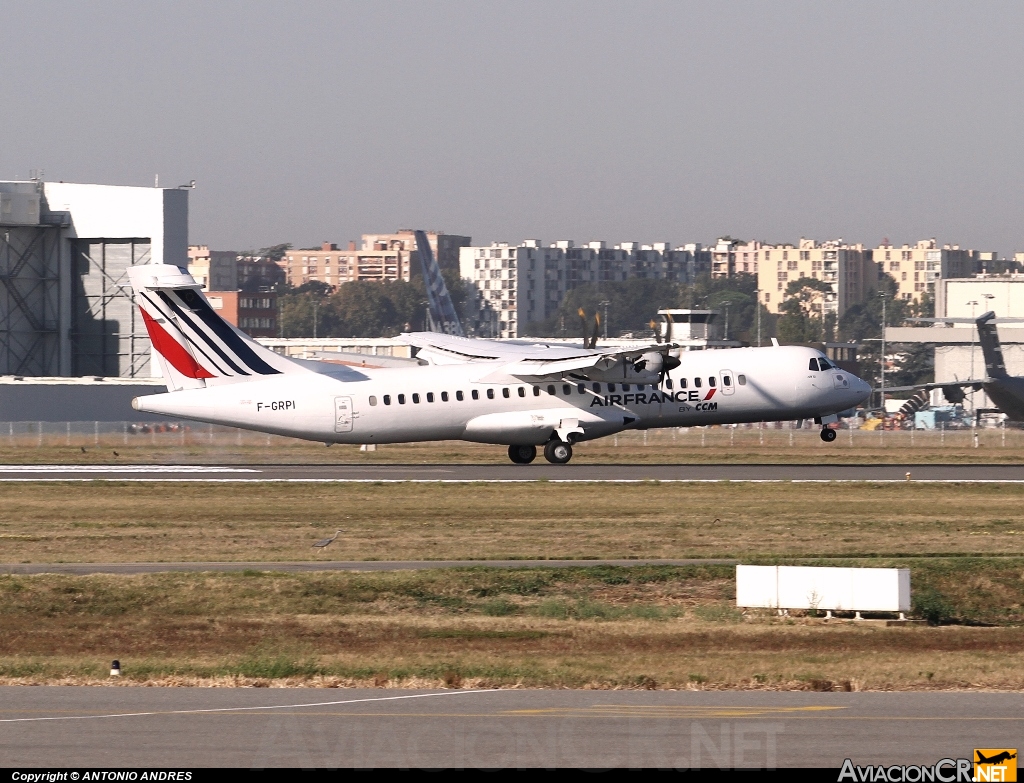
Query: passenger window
[[742, 379], [476, 394], [416, 399], [597, 388], [490, 394], [401, 399], [459, 396], [522, 391], [581, 388], [696, 383], [640, 386], [387, 399], [536, 391], [711, 381], [726, 380], [682, 383], [373, 400], [813, 365], [444, 396], [505, 393], [625, 387], [566, 389], [551, 390], [668, 383]]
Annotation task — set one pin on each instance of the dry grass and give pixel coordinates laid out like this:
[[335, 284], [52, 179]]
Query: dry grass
[[113, 522], [601, 627], [203, 444]]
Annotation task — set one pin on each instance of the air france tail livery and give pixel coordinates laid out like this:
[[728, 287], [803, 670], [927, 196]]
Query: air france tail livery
[[515, 394]]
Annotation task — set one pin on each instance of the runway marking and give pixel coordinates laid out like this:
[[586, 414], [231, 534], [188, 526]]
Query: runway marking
[[666, 711], [121, 469], [244, 709], [539, 480]]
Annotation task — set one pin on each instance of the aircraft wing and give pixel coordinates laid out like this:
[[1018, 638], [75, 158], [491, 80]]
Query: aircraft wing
[[467, 349], [582, 366]]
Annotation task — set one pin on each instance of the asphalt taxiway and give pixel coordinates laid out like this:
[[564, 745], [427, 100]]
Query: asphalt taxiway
[[538, 471], [306, 727]]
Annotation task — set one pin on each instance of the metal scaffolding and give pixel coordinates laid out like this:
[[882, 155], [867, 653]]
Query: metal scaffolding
[[30, 300]]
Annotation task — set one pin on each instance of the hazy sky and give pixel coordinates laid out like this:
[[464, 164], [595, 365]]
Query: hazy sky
[[632, 121]]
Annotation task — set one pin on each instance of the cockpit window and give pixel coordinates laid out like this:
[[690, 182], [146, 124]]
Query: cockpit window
[[823, 364], [813, 365]]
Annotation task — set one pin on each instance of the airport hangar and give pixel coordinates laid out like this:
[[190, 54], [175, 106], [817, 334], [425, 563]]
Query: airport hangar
[[66, 313]]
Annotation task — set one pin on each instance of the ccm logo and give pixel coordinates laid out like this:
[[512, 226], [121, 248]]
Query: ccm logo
[[279, 405]]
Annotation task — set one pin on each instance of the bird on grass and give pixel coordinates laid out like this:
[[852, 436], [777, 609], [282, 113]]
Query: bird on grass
[[323, 542]]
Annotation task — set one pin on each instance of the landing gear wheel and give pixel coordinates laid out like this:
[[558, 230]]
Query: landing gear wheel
[[557, 452], [522, 455], [828, 434]]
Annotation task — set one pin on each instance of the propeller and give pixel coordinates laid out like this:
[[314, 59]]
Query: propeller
[[657, 332], [590, 342]]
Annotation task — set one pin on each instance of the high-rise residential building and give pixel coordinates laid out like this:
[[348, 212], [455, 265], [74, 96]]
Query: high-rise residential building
[[730, 257], [847, 269], [516, 285], [916, 267]]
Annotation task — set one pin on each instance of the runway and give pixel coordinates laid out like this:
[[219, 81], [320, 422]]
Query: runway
[[442, 473], [314, 728]]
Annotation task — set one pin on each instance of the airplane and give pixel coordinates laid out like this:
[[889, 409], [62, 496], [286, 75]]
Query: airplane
[[522, 395], [996, 759], [1005, 390]]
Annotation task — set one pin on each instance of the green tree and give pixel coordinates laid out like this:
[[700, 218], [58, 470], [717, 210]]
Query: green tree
[[799, 323]]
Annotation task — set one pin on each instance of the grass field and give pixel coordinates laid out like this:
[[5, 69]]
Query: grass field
[[127, 522], [51, 443], [581, 627]]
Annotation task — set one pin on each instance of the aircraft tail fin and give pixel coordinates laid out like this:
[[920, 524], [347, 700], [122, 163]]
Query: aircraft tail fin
[[995, 367], [193, 344], [442, 311]]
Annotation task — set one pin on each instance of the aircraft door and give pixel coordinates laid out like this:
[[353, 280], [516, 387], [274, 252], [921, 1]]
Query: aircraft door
[[343, 414], [727, 382]]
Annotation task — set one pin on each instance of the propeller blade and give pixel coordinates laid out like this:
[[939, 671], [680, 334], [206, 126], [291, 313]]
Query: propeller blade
[[657, 332], [597, 328], [583, 324]]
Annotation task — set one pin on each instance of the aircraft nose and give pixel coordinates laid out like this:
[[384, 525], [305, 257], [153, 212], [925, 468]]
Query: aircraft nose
[[861, 388]]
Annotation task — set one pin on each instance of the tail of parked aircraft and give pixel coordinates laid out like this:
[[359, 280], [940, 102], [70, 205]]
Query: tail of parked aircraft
[[990, 346], [193, 344], [442, 311]]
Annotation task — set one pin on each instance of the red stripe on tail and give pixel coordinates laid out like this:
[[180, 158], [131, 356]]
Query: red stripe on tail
[[172, 350]]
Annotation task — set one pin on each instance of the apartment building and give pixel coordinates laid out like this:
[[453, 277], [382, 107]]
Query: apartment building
[[518, 284], [213, 269], [444, 246], [336, 267], [381, 257], [917, 267], [848, 270], [253, 313], [730, 257]]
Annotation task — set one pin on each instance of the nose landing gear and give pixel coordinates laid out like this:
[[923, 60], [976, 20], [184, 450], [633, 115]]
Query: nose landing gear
[[828, 434], [522, 455]]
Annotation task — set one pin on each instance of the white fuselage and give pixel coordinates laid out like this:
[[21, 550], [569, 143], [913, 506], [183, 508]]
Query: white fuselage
[[474, 402]]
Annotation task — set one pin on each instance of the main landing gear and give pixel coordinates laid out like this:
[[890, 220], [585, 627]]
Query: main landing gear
[[557, 452], [828, 434], [522, 455]]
